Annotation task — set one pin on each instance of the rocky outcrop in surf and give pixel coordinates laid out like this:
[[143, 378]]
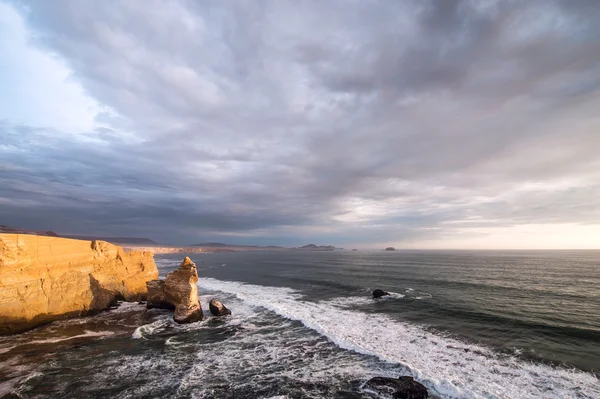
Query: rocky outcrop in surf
[[217, 308], [379, 293], [179, 292], [398, 388], [46, 278]]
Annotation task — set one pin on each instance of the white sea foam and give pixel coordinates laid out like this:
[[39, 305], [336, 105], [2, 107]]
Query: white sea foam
[[448, 367], [127, 307], [267, 349], [149, 329], [394, 295], [86, 334], [7, 349], [7, 387], [352, 301]]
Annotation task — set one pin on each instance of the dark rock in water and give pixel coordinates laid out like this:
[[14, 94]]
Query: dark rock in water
[[390, 249], [401, 388], [379, 293], [217, 308]]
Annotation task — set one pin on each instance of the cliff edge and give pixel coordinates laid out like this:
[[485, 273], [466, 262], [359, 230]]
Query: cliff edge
[[48, 278]]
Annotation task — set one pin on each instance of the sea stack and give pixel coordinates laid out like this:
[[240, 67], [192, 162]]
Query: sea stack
[[390, 249], [48, 278], [181, 290]]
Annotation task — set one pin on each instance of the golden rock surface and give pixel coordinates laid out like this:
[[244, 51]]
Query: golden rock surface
[[48, 278]]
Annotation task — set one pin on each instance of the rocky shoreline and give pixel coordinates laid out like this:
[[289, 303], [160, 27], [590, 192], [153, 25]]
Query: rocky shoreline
[[44, 278]]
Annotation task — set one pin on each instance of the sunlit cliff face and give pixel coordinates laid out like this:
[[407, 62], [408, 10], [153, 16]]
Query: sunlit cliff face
[[421, 124]]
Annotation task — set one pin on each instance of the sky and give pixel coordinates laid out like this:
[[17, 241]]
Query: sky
[[359, 123]]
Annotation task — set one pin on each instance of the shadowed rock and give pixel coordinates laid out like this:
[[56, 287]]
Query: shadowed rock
[[217, 308], [398, 388], [180, 290], [379, 293], [156, 296]]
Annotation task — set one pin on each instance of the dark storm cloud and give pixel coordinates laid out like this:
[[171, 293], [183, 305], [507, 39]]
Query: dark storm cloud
[[344, 121]]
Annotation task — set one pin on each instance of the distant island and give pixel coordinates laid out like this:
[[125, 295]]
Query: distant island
[[313, 247], [390, 249]]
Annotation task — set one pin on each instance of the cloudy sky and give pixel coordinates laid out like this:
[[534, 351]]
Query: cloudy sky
[[361, 123]]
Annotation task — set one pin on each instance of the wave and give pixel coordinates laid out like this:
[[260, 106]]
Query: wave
[[148, 329], [448, 367]]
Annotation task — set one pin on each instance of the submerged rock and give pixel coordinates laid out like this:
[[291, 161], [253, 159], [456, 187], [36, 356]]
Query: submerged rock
[[181, 291], [217, 308], [398, 388], [379, 293]]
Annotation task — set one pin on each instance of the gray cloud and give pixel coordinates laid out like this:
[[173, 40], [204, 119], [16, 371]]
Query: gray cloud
[[345, 122]]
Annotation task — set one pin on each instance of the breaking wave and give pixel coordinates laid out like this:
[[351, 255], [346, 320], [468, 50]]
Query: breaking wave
[[448, 367]]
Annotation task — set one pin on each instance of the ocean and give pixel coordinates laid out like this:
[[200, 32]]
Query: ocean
[[466, 324]]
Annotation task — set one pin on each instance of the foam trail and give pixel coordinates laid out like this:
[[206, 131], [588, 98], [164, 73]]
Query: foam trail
[[148, 329], [86, 334], [448, 367]]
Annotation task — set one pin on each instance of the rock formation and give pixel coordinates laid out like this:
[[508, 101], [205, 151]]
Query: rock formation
[[379, 293], [401, 388], [179, 291], [390, 249], [156, 296], [217, 308], [47, 278]]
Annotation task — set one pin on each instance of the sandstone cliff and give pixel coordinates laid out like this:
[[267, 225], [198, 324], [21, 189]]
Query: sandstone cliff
[[47, 278]]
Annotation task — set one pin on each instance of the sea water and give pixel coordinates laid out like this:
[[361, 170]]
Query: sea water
[[479, 324]]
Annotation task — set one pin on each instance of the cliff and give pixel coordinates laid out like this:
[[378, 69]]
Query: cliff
[[47, 278]]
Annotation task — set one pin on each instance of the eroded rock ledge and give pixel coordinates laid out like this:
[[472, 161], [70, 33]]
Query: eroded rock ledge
[[48, 278]]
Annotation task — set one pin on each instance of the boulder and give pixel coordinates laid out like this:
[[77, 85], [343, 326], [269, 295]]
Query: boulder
[[217, 308], [46, 278], [398, 388], [379, 293], [181, 291]]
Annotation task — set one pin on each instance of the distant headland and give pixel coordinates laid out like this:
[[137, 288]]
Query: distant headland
[[149, 245]]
